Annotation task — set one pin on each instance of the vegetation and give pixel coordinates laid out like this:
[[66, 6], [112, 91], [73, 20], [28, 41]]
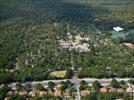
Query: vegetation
[[131, 81], [115, 84], [3, 91], [83, 85], [96, 85], [60, 74], [29, 31], [106, 96]]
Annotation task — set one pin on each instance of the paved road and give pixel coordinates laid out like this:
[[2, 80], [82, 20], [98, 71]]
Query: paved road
[[76, 83], [77, 97], [73, 80]]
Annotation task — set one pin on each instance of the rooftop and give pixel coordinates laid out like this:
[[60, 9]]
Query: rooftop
[[118, 29]]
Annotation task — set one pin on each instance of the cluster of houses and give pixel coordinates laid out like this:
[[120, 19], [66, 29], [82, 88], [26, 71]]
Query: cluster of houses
[[79, 44], [33, 92], [110, 89], [67, 93]]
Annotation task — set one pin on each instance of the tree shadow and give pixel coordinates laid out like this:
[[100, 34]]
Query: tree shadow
[[51, 10], [69, 11]]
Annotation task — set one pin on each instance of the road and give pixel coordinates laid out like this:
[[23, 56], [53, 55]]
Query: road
[[76, 83]]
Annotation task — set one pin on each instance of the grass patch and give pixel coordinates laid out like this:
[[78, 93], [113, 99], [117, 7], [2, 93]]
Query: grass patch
[[58, 74]]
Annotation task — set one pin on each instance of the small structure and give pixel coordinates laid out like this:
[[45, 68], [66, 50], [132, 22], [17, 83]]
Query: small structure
[[110, 89], [130, 89], [86, 38], [67, 93], [64, 44], [32, 93], [82, 47], [78, 38], [129, 45], [6, 98], [22, 93], [69, 36], [118, 29], [58, 91], [42, 93], [120, 90], [85, 92], [104, 89]]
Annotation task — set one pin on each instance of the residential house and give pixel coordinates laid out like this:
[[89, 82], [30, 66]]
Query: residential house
[[120, 90], [65, 44], [32, 93], [22, 93], [6, 98], [78, 38], [104, 89], [42, 93], [130, 89], [85, 92], [67, 93], [58, 91], [110, 89], [129, 45]]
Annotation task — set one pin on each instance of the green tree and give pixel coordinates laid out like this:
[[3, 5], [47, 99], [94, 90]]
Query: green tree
[[18, 86], [63, 86], [131, 81], [68, 84], [51, 85], [83, 85], [114, 83], [38, 87], [96, 85], [28, 87], [3, 90]]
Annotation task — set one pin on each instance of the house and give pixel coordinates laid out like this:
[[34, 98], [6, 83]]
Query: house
[[22, 93], [6, 98], [110, 89], [85, 92], [78, 38], [69, 36], [86, 39], [67, 93], [82, 47], [32, 93], [130, 89], [42, 93], [64, 44], [129, 45], [104, 89], [58, 91], [120, 90], [118, 29]]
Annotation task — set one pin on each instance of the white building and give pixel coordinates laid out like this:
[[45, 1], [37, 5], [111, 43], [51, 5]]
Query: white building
[[82, 47], [118, 29]]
